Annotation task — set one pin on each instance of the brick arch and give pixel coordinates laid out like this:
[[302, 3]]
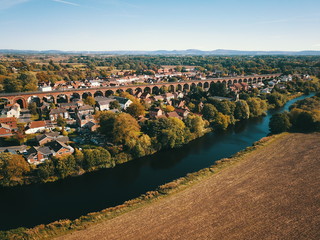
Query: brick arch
[[109, 93], [147, 89], [129, 90], [186, 87], [98, 94], [155, 90], [171, 88], [21, 101]]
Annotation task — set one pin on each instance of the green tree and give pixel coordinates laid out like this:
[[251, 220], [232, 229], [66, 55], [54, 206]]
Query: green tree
[[280, 122], [209, 112], [33, 108], [196, 125], [46, 170], [241, 110], [61, 121]]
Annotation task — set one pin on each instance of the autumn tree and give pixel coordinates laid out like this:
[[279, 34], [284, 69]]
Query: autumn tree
[[241, 110], [12, 168], [136, 109], [257, 107], [89, 101]]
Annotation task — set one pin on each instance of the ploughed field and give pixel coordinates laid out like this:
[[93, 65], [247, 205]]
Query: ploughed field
[[273, 193]]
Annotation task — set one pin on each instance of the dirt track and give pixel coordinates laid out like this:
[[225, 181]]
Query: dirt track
[[272, 194]]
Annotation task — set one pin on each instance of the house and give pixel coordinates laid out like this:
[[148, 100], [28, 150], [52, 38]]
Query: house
[[138, 94], [11, 111], [92, 125], [49, 137], [182, 112], [124, 102], [178, 95], [59, 148], [11, 121], [37, 155], [5, 130], [155, 113], [103, 103], [158, 98], [145, 95], [36, 126], [168, 96], [69, 106], [14, 149], [45, 88], [85, 110], [56, 112], [173, 115]]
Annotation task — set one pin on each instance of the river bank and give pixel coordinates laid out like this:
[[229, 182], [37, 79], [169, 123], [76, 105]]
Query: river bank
[[63, 226], [74, 197], [275, 158]]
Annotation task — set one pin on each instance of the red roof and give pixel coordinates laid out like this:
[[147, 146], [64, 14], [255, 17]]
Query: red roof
[[37, 124]]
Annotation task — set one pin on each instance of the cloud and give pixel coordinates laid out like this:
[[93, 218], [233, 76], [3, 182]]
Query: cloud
[[66, 2], [4, 4]]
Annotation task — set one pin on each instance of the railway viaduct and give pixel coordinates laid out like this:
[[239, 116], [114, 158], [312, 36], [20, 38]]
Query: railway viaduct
[[66, 95]]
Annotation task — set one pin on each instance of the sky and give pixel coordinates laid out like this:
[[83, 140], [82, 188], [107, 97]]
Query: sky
[[104, 25]]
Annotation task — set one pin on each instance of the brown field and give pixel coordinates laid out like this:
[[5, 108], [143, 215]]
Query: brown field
[[273, 193]]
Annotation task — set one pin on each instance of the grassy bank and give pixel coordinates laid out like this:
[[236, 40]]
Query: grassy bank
[[64, 226]]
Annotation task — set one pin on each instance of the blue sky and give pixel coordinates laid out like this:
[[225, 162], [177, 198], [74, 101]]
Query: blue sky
[[153, 25]]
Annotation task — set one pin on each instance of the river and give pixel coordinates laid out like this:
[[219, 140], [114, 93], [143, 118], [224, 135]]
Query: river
[[31, 205]]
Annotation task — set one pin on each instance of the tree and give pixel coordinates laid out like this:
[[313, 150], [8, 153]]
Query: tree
[[89, 101], [65, 166], [218, 89], [29, 81], [46, 170], [241, 110], [169, 108], [61, 121], [276, 99], [196, 125], [209, 112], [280, 122], [221, 121], [106, 121], [12, 168], [126, 130], [78, 156], [136, 109], [257, 107], [115, 105], [33, 108], [12, 85]]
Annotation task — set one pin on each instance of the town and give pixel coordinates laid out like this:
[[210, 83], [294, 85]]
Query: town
[[61, 116]]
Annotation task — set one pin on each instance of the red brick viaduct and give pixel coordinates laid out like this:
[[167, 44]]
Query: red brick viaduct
[[65, 95]]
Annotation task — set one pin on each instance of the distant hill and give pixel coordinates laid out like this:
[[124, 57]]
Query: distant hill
[[167, 52]]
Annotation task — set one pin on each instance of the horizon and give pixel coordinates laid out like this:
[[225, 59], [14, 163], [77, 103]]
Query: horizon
[[116, 25]]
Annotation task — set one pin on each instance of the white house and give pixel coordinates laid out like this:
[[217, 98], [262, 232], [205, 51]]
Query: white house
[[35, 127], [12, 111], [124, 102], [45, 88]]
